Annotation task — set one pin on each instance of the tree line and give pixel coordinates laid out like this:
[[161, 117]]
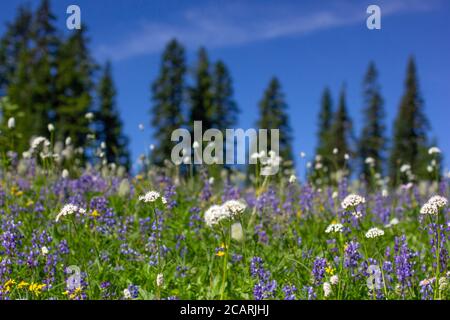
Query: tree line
[[52, 78]]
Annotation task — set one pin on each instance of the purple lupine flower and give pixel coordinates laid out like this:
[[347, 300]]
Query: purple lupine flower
[[352, 256], [318, 270], [404, 264], [265, 287], [289, 292]]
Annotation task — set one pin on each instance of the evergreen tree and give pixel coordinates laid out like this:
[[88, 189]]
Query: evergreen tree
[[16, 39], [324, 148], [273, 115], [201, 94], [167, 96], [15, 74], [225, 108], [74, 86], [109, 125], [43, 67], [372, 141], [341, 132], [410, 127]]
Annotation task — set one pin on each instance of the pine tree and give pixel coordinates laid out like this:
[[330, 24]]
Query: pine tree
[[16, 39], [201, 94], [43, 67], [372, 141], [74, 85], [15, 74], [410, 127], [273, 115], [341, 132], [168, 98], [109, 125], [225, 108], [324, 148]]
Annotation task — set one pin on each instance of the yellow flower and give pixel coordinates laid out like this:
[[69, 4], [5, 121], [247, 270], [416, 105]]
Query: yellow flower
[[95, 214], [76, 293], [29, 203], [220, 253], [16, 192], [36, 288], [8, 284], [139, 177], [299, 213], [22, 284], [329, 270]]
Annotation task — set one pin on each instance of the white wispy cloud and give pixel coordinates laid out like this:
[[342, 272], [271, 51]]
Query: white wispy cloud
[[232, 24]]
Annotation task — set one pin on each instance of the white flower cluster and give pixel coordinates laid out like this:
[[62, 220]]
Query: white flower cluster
[[152, 196], [334, 228], [352, 201], [228, 211], [374, 233], [69, 209], [434, 150], [270, 162], [334, 280], [327, 289], [433, 205]]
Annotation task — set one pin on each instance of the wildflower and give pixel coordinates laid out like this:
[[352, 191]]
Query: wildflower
[[434, 150], [405, 168], [8, 284], [35, 288], [68, 141], [44, 250], [89, 116], [11, 123], [150, 196], [69, 209], [393, 222], [65, 173], [214, 215], [39, 141], [370, 161], [335, 151], [334, 280], [352, 200], [329, 270], [50, 127], [374, 233], [289, 292], [334, 228], [292, 179], [302, 154], [234, 207], [318, 270], [95, 214], [326, 289], [126, 294], [236, 231], [346, 156], [334, 195], [22, 284], [160, 280], [433, 205]]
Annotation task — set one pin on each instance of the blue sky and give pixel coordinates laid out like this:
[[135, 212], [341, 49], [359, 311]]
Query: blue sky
[[307, 44]]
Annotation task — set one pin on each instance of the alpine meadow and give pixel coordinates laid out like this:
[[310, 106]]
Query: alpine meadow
[[90, 209]]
